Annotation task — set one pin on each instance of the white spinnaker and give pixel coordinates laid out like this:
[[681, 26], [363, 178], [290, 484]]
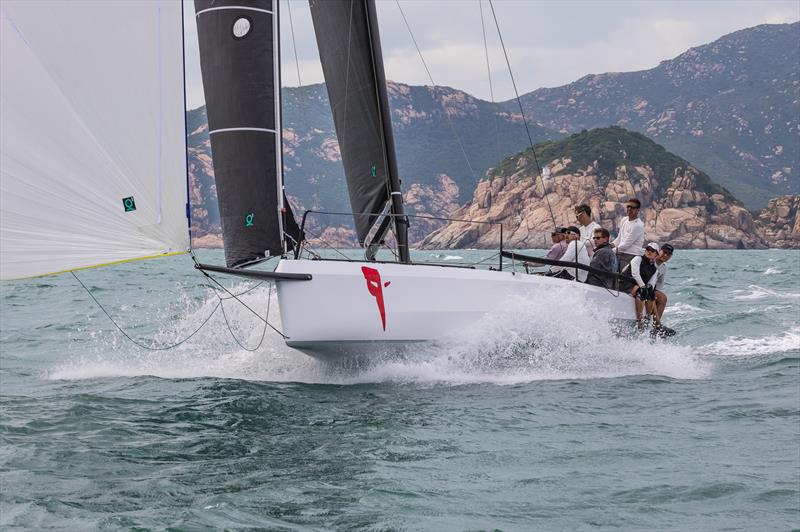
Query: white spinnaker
[[91, 112]]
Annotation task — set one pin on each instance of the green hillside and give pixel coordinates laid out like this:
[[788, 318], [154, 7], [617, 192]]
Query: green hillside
[[611, 147]]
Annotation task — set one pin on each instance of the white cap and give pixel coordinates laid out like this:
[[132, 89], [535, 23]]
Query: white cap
[[653, 246]]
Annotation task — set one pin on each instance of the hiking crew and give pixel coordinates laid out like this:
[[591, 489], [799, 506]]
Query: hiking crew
[[576, 252], [604, 259], [630, 240], [642, 269], [558, 237], [583, 213], [658, 280]]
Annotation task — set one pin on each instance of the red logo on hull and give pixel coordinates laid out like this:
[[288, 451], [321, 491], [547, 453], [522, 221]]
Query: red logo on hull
[[375, 287]]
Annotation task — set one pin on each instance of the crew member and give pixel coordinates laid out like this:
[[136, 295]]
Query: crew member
[[658, 280], [642, 270], [559, 244], [576, 252], [583, 213], [630, 240], [604, 259]]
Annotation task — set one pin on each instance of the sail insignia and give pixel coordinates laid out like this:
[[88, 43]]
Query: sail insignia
[[239, 56]]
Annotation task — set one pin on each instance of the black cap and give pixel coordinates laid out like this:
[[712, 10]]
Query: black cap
[[572, 229], [558, 231], [667, 248]]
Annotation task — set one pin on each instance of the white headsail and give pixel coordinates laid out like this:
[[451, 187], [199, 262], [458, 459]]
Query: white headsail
[[92, 134]]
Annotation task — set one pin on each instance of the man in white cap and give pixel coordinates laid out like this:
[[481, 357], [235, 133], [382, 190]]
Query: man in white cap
[[643, 271], [630, 239]]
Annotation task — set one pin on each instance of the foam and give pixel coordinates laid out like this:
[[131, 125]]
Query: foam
[[743, 346], [555, 337]]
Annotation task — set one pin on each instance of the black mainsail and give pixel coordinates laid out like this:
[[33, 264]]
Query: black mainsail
[[352, 62], [239, 59]]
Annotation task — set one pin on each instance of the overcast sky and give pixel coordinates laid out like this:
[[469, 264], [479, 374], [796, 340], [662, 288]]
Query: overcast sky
[[549, 43]]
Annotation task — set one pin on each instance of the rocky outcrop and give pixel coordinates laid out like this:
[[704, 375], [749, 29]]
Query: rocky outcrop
[[524, 206], [779, 223], [427, 202]]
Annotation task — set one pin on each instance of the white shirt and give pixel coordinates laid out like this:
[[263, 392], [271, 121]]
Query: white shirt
[[630, 239], [576, 248], [587, 232], [657, 279]]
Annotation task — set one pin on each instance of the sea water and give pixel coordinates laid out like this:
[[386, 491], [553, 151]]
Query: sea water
[[536, 418]]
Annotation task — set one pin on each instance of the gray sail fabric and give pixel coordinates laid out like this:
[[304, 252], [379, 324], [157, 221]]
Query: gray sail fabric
[[237, 59], [349, 50]]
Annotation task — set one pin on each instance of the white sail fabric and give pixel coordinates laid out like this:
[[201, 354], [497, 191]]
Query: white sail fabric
[[91, 113]]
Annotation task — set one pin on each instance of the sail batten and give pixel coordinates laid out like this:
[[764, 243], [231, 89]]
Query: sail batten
[[239, 59], [92, 136]]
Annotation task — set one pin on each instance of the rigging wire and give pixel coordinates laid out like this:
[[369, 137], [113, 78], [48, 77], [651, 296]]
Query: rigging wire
[[522, 112], [489, 75], [133, 340], [245, 305], [294, 44], [430, 77], [263, 331]]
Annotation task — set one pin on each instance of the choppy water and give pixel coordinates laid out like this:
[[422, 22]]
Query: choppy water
[[529, 421]]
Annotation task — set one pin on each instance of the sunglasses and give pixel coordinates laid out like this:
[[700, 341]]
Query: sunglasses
[[631, 207]]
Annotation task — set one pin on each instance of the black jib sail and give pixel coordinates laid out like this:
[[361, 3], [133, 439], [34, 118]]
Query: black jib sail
[[352, 62], [239, 58]]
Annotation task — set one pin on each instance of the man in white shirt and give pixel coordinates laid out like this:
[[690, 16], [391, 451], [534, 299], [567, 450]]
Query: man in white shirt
[[630, 240], [576, 251], [583, 213]]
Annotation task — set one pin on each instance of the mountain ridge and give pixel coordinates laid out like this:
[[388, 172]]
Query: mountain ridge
[[730, 106]]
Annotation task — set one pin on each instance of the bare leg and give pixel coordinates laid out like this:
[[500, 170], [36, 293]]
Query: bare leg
[[653, 311], [661, 303], [638, 302]]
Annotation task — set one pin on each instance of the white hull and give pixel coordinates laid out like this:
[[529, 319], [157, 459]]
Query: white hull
[[338, 311]]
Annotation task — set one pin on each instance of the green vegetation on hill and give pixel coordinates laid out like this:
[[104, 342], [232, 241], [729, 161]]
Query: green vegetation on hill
[[612, 147]]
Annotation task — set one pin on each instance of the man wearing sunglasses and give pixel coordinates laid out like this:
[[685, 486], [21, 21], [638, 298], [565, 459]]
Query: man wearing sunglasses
[[583, 213], [630, 240], [603, 259]]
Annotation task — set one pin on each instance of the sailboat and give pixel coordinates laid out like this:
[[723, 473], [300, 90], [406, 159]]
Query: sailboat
[[88, 181]]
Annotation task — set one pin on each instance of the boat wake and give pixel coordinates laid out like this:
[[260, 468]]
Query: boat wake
[[554, 337]]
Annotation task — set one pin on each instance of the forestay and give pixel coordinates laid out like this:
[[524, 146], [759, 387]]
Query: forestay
[[93, 157]]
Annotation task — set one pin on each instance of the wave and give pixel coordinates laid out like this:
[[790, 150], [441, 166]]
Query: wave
[[759, 292], [772, 271], [558, 336], [744, 346]]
